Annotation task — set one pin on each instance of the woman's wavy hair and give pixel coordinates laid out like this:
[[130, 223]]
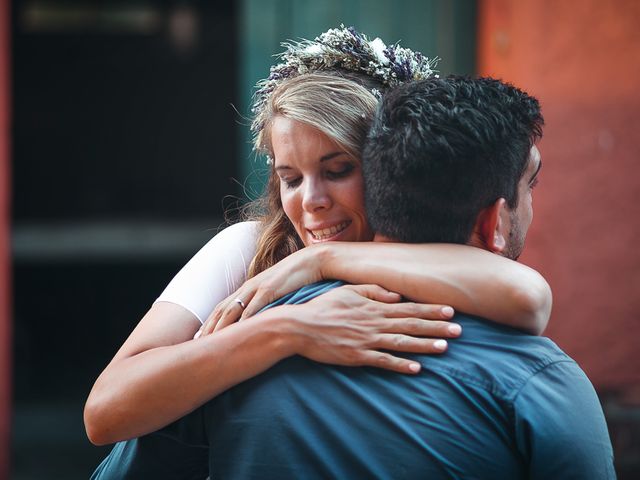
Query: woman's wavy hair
[[341, 106]]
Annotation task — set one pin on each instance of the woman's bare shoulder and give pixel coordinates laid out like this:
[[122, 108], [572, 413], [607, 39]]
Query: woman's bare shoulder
[[215, 272]]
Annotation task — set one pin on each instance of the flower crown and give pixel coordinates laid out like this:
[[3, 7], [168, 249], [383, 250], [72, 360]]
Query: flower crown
[[346, 49]]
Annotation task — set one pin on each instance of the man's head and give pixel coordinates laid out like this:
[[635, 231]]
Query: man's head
[[453, 160]]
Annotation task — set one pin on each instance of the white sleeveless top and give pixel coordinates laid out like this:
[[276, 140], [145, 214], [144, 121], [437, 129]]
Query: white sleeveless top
[[215, 272]]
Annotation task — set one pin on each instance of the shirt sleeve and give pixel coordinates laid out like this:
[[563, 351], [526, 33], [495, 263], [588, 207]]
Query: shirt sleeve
[[560, 428], [215, 272]]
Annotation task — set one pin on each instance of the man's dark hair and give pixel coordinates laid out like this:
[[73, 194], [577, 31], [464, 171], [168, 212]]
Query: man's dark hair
[[441, 150]]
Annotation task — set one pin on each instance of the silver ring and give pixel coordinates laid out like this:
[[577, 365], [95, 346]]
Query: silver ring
[[240, 302]]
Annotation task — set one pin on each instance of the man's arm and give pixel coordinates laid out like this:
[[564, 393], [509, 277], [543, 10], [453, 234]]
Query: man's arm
[[560, 427]]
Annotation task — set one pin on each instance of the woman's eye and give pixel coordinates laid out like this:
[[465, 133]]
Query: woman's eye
[[340, 173], [291, 182], [534, 184]]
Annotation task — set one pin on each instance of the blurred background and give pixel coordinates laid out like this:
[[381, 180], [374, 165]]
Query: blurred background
[[124, 137]]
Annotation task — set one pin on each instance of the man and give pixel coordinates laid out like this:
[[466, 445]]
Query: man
[[447, 160]]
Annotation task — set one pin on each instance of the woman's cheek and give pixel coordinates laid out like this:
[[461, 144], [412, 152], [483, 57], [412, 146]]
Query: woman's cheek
[[289, 205]]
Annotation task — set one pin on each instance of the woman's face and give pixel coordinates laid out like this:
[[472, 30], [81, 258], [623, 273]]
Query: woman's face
[[321, 185]]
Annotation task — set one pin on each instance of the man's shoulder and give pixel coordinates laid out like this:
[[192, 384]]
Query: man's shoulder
[[482, 331], [497, 358], [306, 293]]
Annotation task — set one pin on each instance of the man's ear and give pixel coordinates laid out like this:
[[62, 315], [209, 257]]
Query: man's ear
[[493, 226]]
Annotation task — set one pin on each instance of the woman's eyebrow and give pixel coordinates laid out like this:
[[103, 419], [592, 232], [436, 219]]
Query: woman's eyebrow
[[331, 155], [324, 158]]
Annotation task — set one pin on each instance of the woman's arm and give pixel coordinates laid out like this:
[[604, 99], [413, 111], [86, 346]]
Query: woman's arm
[[160, 373], [470, 279], [212, 274]]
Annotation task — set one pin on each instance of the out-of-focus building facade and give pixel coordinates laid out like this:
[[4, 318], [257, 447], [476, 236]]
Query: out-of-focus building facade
[[160, 83], [580, 59]]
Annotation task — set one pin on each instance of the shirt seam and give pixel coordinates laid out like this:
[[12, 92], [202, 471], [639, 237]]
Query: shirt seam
[[507, 395]]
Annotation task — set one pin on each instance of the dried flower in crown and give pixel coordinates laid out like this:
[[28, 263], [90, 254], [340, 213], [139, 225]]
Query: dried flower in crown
[[347, 49]]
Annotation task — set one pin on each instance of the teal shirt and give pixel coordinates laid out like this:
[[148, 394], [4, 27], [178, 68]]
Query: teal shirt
[[499, 404]]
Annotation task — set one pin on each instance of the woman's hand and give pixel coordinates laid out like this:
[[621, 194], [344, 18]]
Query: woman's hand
[[355, 325], [291, 273]]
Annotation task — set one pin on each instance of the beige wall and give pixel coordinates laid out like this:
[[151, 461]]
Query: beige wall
[[581, 59]]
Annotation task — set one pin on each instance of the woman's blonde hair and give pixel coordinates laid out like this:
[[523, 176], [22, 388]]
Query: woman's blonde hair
[[337, 105]]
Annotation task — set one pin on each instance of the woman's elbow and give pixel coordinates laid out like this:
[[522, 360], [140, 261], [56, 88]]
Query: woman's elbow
[[96, 422], [535, 301]]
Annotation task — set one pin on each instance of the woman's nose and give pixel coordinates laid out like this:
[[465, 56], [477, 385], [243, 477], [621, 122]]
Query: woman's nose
[[315, 197]]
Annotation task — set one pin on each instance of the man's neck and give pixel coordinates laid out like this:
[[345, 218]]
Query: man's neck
[[475, 241], [378, 237]]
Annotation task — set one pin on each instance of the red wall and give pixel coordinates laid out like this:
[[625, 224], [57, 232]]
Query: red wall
[[5, 322], [582, 60]]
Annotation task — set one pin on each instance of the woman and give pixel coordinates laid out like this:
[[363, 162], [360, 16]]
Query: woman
[[314, 196]]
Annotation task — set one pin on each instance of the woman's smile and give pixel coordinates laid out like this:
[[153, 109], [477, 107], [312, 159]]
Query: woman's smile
[[327, 233]]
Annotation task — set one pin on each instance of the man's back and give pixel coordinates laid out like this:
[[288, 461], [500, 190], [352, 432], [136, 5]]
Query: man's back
[[498, 404]]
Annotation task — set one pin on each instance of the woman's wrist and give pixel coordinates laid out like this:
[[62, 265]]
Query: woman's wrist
[[283, 328], [322, 257]]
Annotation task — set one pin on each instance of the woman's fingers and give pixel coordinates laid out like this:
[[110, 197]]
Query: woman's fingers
[[256, 302], [374, 292], [420, 310], [408, 344], [386, 361], [209, 325], [229, 312], [229, 317], [395, 309], [216, 320], [374, 357], [419, 327]]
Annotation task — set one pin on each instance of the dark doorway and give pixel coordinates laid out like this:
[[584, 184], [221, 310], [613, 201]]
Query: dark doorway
[[124, 145]]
